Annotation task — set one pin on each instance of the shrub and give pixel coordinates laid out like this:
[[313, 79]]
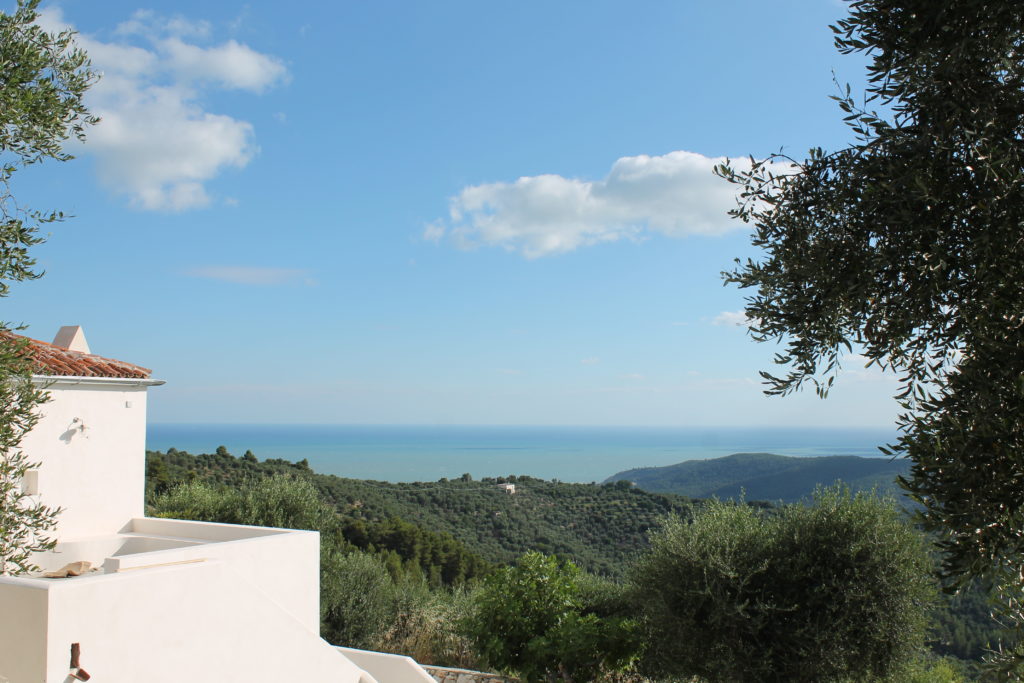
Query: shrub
[[531, 619], [833, 591], [426, 626], [358, 598]]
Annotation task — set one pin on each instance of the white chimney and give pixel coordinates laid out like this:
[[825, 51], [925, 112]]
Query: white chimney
[[72, 338]]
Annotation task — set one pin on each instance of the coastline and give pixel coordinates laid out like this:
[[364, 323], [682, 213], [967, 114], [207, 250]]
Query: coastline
[[402, 453]]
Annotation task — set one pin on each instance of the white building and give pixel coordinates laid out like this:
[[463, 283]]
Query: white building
[[172, 600]]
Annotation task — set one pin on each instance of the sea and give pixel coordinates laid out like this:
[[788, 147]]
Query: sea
[[397, 453]]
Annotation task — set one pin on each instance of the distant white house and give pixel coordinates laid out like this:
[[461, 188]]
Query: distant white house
[[507, 488], [172, 600]]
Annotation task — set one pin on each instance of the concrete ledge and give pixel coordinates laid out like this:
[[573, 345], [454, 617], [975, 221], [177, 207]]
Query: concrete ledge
[[443, 674], [387, 667]]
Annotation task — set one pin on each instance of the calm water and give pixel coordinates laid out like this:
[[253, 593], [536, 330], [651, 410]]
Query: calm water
[[579, 454]]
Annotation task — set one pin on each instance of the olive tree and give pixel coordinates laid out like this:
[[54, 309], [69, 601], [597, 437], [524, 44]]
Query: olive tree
[[836, 590], [906, 247], [25, 522], [43, 77]]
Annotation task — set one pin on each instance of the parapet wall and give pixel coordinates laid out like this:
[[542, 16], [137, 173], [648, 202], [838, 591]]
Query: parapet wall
[[445, 675]]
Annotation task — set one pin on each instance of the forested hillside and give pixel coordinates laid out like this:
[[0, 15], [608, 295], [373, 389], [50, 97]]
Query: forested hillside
[[454, 531], [766, 476], [601, 527]]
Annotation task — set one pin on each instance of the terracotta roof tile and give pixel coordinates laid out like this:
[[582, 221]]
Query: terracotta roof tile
[[55, 361]]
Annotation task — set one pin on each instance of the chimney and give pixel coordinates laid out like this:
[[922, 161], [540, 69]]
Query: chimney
[[72, 338]]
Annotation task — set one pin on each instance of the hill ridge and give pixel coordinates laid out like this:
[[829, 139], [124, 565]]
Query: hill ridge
[[766, 476]]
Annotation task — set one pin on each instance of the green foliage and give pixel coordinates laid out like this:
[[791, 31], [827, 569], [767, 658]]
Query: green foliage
[[445, 560], [766, 476], [929, 670], [830, 591], [369, 599], [962, 624], [407, 550], [600, 527], [906, 246], [44, 79], [25, 523], [531, 619], [358, 599], [427, 626], [403, 546], [279, 501]]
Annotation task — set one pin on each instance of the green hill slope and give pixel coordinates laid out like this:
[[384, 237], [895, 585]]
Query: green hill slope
[[765, 476], [601, 527]]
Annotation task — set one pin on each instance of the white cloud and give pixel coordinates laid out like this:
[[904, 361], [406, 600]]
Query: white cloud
[[147, 22], [675, 194], [590, 361], [434, 232], [731, 319], [232, 65], [156, 142], [249, 275]]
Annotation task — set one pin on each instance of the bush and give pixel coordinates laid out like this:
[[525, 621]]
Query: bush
[[531, 619], [426, 626], [833, 591], [358, 599], [280, 501]]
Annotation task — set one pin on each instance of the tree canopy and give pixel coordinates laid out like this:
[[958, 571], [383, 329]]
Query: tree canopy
[[43, 79], [831, 591], [907, 247]]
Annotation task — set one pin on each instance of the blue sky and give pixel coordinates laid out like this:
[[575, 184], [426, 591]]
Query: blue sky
[[448, 212]]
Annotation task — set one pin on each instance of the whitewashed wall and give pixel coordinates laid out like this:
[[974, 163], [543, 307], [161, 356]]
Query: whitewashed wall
[[91, 441], [194, 622]]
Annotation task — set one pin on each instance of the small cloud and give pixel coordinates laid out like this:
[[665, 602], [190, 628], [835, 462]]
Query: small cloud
[[434, 232], [731, 319], [148, 22], [249, 275], [235, 25], [230, 201], [680, 324], [280, 117], [590, 361], [509, 371], [632, 376]]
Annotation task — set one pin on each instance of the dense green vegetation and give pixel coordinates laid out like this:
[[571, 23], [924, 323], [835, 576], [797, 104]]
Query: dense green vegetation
[[417, 550], [539, 620], [223, 488], [599, 527], [834, 590], [765, 476]]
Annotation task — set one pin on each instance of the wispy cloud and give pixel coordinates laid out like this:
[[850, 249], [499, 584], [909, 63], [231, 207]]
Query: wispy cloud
[[675, 194], [156, 142], [731, 319], [249, 275], [590, 361]]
